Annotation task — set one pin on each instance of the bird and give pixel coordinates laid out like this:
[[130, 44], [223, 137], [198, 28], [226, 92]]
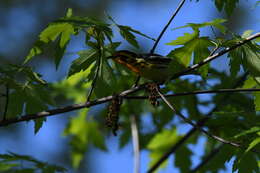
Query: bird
[[154, 67]]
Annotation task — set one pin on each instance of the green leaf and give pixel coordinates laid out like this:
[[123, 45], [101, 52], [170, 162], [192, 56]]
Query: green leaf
[[249, 83], [83, 133], [86, 58], [125, 32], [217, 163], [183, 159], [228, 5], [161, 143], [7, 167], [247, 33], [38, 124], [96, 136], [219, 4], [77, 127], [17, 101], [124, 138], [253, 144], [52, 32], [69, 12], [37, 49], [252, 56], [245, 162], [184, 39], [251, 130], [192, 45], [138, 32], [129, 28], [234, 62], [201, 52], [25, 164], [216, 23], [184, 54]]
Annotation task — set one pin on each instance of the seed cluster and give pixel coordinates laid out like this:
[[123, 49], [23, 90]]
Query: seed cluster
[[152, 89], [112, 118]]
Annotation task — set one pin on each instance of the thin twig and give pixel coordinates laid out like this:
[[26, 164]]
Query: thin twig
[[178, 113], [198, 92], [93, 84], [6, 102], [135, 139], [193, 130], [69, 108], [166, 26], [214, 56], [108, 98], [210, 156]]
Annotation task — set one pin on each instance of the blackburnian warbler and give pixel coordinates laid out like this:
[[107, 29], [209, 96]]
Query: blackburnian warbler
[[150, 66]]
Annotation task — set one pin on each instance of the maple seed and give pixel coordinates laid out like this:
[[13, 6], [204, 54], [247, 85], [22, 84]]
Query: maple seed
[[152, 89], [112, 118]]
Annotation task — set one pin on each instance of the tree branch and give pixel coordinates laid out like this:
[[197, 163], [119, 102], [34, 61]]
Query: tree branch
[[69, 108], [109, 98], [178, 113], [214, 56], [210, 156], [198, 92], [135, 138], [193, 130], [166, 26]]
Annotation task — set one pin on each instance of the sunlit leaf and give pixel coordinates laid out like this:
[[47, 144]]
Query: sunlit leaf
[[37, 49], [83, 133], [216, 23], [250, 83], [253, 144], [184, 39], [160, 144], [69, 12], [86, 58], [125, 32], [251, 130]]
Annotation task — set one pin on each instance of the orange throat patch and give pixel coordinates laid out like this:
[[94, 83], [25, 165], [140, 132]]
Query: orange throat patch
[[128, 65]]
